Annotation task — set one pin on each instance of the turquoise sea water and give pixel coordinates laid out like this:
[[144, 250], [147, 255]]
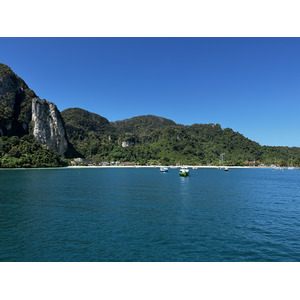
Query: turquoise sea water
[[140, 214]]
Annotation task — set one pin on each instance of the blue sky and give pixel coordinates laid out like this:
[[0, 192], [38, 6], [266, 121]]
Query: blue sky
[[251, 85]]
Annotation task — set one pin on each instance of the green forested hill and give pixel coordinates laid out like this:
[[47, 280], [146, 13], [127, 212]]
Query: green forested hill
[[141, 126], [146, 139], [81, 122], [25, 152], [284, 156], [86, 131]]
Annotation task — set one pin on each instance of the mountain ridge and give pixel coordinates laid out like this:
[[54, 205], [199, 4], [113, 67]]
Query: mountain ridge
[[144, 139], [149, 138]]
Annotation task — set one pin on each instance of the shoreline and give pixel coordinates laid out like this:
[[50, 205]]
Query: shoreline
[[157, 167], [177, 167]]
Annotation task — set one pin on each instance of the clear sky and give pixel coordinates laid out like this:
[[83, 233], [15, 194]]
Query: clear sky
[[251, 85]]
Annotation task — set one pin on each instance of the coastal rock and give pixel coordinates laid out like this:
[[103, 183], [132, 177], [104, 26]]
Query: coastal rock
[[19, 105], [48, 128], [15, 103]]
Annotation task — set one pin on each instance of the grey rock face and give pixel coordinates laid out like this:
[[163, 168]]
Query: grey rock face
[[48, 126], [19, 105], [15, 103]]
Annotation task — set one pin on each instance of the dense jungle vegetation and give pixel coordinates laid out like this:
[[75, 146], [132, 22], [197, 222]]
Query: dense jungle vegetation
[[150, 139], [25, 152]]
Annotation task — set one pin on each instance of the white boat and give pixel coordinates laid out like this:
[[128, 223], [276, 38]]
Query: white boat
[[278, 168], [194, 168], [226, 169], [164, 169]]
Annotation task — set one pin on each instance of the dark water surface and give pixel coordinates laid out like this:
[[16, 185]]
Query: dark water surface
[[140, 214]]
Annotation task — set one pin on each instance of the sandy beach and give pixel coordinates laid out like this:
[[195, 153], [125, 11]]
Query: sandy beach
[[177, 167]]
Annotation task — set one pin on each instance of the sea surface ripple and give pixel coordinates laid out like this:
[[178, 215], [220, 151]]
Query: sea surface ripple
[[140, 214]]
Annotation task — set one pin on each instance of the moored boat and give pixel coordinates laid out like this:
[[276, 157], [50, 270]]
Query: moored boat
[[184, 172], [164, 169]]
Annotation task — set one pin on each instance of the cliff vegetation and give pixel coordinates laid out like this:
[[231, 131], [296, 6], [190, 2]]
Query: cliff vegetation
[[25, 152]]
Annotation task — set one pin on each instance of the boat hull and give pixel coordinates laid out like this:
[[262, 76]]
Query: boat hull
[[184, 174]]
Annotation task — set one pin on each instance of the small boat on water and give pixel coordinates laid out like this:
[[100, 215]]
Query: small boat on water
[[163, 169], [226, 169], [194, 168], [184, 172]]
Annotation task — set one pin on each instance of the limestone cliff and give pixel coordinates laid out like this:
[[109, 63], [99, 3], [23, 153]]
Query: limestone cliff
[[15, 103], [19, 105], [48, 126]]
